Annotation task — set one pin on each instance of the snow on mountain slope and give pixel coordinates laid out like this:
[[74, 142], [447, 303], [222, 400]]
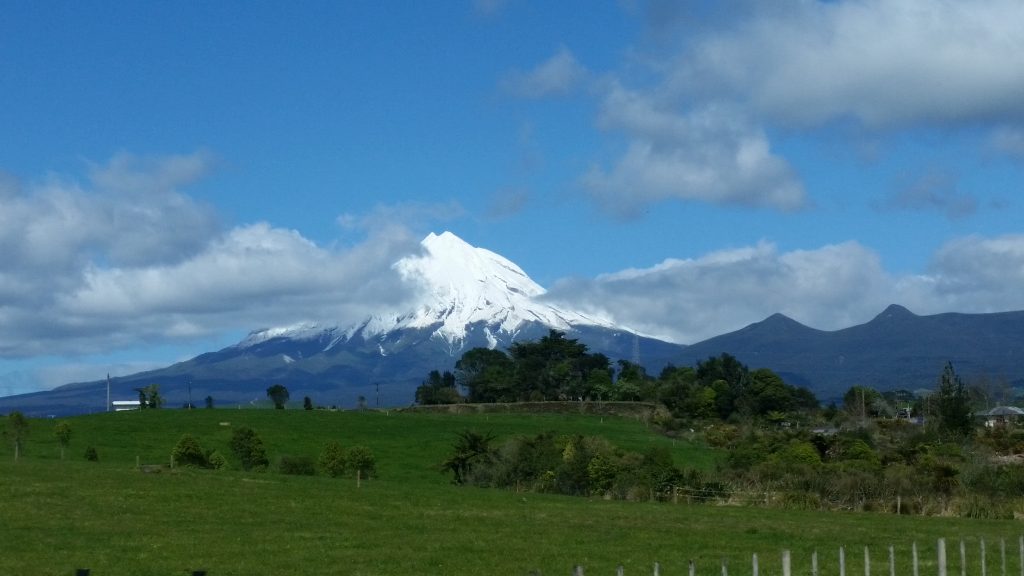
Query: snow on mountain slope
[[460, 285]]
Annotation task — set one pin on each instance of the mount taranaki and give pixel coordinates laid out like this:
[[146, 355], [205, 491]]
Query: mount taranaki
[[474, 297]]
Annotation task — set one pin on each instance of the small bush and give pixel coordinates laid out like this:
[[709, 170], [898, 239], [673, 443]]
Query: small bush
[[217, 461], [297, 465], [361, 460], [332, 459], [188, 452], [91, 455], [248, 447]]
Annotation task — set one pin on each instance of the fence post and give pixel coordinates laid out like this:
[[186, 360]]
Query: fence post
[[913, 550], [1022, 556], [842, 562], [1002, 557], [963, 558], [983, 557], [785, 563], [867, 562], [577, 570], [941, 553], [753, 564], [693, 570], [725, 567], [814, 563], [620, 571], [657, 569], [892, 560]]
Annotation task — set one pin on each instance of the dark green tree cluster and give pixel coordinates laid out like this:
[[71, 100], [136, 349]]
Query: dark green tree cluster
[[279, 395], [558, 368], [438, 389], [188, 452], [149, 397], [572, 465], [247, 446], [336, 461]]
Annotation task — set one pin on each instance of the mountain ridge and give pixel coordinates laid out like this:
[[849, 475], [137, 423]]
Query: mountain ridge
[[471, 297]]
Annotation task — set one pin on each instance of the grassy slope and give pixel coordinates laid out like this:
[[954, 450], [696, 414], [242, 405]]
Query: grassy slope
[[55, 516]]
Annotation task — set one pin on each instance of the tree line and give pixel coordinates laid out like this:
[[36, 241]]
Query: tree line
[[560, 368]]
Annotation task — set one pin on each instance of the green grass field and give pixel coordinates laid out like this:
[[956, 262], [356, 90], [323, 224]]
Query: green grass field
[[56, 515]]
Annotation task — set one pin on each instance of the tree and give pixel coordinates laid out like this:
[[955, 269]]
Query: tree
[[248, 447], [438, 389], [149, 397], [209, 402], [307, 403], [332, 459], [188, 452], [472, 449], [485, 375], [953, 404], [17, 430], [278, 394], [362, 460], [63, 433]]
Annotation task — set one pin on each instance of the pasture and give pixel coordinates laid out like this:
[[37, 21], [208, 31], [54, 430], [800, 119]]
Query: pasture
[[57, 515]]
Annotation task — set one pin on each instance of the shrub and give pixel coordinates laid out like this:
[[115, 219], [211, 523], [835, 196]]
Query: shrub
[[188, 452], [297, 465], [91, 455], [217, 461], [332, 459], [247, 446], [361, 460]]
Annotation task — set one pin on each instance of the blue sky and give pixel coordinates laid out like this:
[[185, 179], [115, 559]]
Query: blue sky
[[174, 175]]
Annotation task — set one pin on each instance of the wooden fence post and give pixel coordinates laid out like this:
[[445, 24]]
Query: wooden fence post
[[725, 567], [657, 569], [693, 569], [1002, 557], [785, 563], [941, 554], [842, 562], [867, 562], [577, 570], [892, 560], [963, 558], [913, 551], [753, 564], [620, 571], [983, 557], [814, 563], [1021, 556]]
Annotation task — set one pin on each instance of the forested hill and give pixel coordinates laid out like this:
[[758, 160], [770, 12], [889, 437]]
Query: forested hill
[[896, 349]]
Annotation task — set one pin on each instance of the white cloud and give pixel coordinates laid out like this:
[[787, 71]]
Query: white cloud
[[556, 76], [887, 63], [709, 154], [130, 259], [828, 288]]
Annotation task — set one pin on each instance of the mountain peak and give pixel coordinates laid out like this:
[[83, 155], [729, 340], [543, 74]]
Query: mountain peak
[[894, 312]]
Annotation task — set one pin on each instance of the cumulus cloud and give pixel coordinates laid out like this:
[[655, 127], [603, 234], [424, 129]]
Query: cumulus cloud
[[832, 287], [710, 154], [887, 63], [556, 76], [127, 259]]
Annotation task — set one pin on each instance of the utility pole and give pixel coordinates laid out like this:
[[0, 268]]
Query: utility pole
[[108, 391]]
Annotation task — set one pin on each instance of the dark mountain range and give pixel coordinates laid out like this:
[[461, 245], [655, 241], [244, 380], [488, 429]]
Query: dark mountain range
[[472, 297], [895, 350]]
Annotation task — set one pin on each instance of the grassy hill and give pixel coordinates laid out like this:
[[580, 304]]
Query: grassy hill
[[58, 515]]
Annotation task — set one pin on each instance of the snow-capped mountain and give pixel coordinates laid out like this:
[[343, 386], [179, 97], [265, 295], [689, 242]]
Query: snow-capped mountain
[[466, 297], [462, 290]]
